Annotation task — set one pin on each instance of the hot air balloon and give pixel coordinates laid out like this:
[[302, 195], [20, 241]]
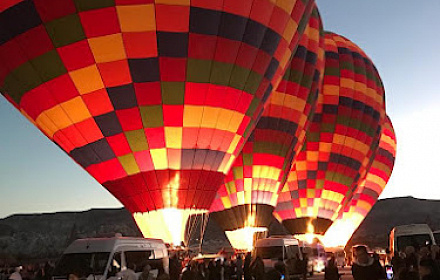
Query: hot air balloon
[[245, 202], [340, 144], [154, 99], [368, 191]]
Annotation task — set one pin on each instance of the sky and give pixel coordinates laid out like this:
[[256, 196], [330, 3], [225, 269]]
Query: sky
[[400, 36]]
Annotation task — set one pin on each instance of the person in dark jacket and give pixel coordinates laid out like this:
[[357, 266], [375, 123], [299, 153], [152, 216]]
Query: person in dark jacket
[[365, 267], [331, 271], [277, 272], [257, 268], [247, 267], [201, 272], [175, 267], [427, 271], [191, 272], [239, 267]]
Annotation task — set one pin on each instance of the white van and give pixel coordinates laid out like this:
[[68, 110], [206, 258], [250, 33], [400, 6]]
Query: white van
[[273, 249], [105, 258], [416, 235]]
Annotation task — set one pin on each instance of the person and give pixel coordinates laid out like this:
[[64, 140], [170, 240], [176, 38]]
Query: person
[[128, 273], [398, 263], [211, 270], [331, 271], [227, 270], [191, 272], [257, 268], [365, 267], [201, 274], [303, 265], [219, 270], [146, 275], [247, 267], [411, 260], [162, 275], [73, 276], [239, 267], [406, 274], [276, 273], [426, 270], [16, 274], [175, 267]]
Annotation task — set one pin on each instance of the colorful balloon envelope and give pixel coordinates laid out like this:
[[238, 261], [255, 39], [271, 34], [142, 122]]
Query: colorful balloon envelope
[[340, 144], [155, 99], [245, 202], [368, 191]]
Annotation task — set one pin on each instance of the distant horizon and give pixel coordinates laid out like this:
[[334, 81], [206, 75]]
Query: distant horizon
[[122, 207]]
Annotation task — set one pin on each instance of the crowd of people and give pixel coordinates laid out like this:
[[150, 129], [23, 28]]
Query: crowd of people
[[41, 271], [412, 264], [239, 267]]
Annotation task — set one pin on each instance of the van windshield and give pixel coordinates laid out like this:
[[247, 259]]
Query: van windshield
[[417, 241], [83, 264], [273, 252]]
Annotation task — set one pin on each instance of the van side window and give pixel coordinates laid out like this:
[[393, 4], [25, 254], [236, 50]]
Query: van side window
[[139, 259], [115, 265]]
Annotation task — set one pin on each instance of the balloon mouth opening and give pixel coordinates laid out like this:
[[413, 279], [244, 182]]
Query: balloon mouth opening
[[168, 224], [243, 238], [341, 231]]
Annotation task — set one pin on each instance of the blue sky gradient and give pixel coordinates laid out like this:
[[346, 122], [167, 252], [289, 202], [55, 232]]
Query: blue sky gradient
[[400, 36]]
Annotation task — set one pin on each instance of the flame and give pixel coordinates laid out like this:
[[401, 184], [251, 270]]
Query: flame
[[339, 233], [243, 238], [167, 224], [310, 236]]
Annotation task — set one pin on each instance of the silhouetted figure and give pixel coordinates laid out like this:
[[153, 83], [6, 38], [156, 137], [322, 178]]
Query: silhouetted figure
[[162, 275], [201, 272], [227, 270], [398, 263], [366, 268], [175, 268], [239, 267], [247, 267], [277, 272], [191, 272], [257, 268], [331, 271]]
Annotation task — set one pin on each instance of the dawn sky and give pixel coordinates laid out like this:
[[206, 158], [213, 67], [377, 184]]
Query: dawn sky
[[400, 36]]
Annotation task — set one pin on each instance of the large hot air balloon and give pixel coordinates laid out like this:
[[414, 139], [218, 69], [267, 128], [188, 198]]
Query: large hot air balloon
[[368, 191], [154, 99], [245, 202], [340, 144]]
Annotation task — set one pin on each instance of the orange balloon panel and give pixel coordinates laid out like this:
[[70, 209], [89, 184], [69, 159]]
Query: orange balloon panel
[[154, 98], [377, 177], [260, 170], [341, 142], [368, 191]]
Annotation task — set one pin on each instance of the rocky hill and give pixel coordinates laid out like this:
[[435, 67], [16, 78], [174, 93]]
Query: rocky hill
[[388, 213], [37, 236]]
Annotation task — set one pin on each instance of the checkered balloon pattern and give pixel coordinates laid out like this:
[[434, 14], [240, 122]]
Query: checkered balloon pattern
[[377, 177], [154, 98], [341, 142], [261, 169]]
